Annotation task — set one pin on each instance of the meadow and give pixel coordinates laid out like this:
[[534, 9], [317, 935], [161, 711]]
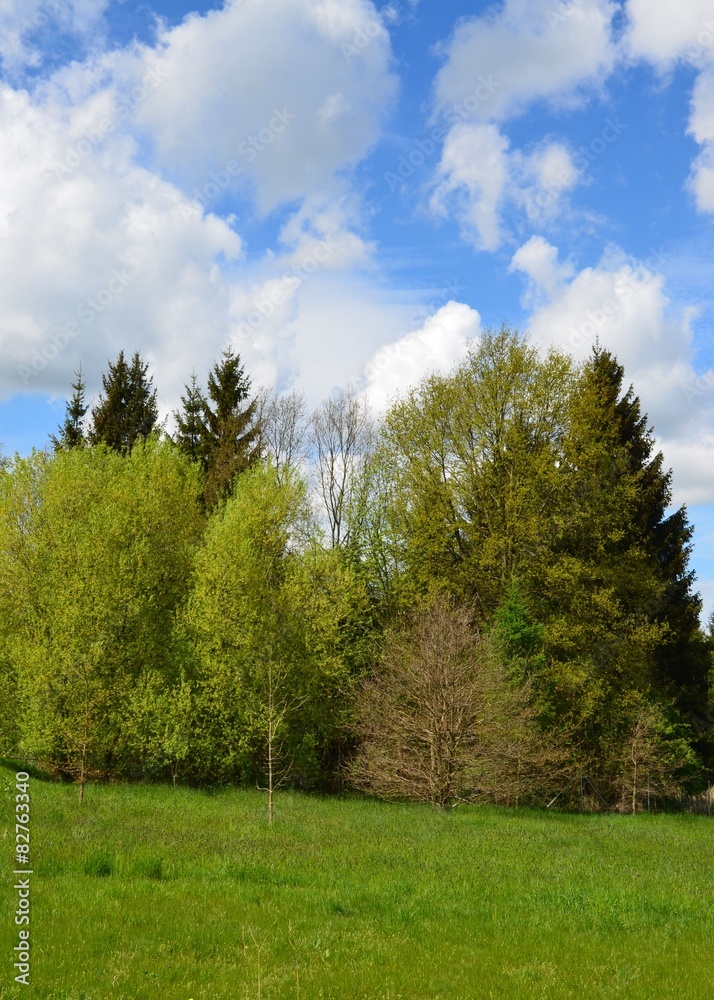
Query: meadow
[[154, 893]]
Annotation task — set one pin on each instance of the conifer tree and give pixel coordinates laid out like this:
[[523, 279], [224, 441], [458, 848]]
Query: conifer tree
[[72, 430], [230, 426], [127, 408], [191, 436], [624, 616]]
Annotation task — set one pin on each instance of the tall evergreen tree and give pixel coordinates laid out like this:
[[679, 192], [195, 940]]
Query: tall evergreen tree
[[72, 430], [623, 615], [191, 435], [127, 409], [230, 427]]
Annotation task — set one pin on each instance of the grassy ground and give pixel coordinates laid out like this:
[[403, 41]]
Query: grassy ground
[[147, 893]]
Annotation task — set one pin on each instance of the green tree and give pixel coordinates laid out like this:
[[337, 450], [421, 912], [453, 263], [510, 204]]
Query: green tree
[[72, 430], [127, 410], [231, 433], [616, 593], [97, 558], [273, 619], [191, 433], [472, 459]]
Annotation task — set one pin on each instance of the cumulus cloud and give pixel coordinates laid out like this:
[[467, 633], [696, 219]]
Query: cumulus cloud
[[105, 247], [97, 253], [667, 32], [24, 22], [528, 50], [622, 302], [478, 177], [435, 347], [292, 92]]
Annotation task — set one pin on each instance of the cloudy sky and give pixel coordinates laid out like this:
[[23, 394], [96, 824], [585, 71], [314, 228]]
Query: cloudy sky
[[349, 191]]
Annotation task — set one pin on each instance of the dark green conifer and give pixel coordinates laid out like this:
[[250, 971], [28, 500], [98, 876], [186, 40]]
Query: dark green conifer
[[71, 432], [192, 433], [230, 428], [127, 409]]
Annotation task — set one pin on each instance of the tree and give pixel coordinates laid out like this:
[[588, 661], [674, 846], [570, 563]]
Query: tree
[[440, 722], [97, 558], [231, 432], [615, 591], [191, 434], [651, 755], [127, 410], [160, 723], [341, 438], [473, 459], [72, 430], [273, 619], [283, 423]]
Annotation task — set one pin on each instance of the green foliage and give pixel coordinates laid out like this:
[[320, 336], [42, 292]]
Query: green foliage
[[72, 430], [127, 410], [191, 434], [472, 457], [229, 431], [100, 553], [269, 603]]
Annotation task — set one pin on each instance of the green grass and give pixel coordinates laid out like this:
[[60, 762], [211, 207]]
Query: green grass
[[153, 894]]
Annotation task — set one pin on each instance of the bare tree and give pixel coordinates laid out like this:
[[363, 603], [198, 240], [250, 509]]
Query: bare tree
[[277, 704], [440, 722], [341, 438], [284, 422]]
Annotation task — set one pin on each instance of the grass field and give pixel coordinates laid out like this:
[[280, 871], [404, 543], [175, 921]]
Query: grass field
[[147, 893]]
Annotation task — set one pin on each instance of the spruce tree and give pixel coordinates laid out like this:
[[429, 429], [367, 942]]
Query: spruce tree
[[192, 433], [623, 613], [230, 427], [72, 430], [127, 409]]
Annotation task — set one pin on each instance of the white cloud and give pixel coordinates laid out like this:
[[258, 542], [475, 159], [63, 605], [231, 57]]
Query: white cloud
[[99, 253], [275, 88], [436, 347], [701, 127], [102, 245], [527, 50], [22, 21], [663, 31], [668, 31], [497, 65], [538, 260], [623, 303], [471, 179], [478, 178]]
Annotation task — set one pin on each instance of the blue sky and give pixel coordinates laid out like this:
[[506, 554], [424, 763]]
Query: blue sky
[[349, 192]]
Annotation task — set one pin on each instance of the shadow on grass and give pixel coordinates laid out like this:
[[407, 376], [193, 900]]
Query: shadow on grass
[[13, 764]]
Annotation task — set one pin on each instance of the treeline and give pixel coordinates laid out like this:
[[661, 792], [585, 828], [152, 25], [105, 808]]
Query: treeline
[[481, 596]]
